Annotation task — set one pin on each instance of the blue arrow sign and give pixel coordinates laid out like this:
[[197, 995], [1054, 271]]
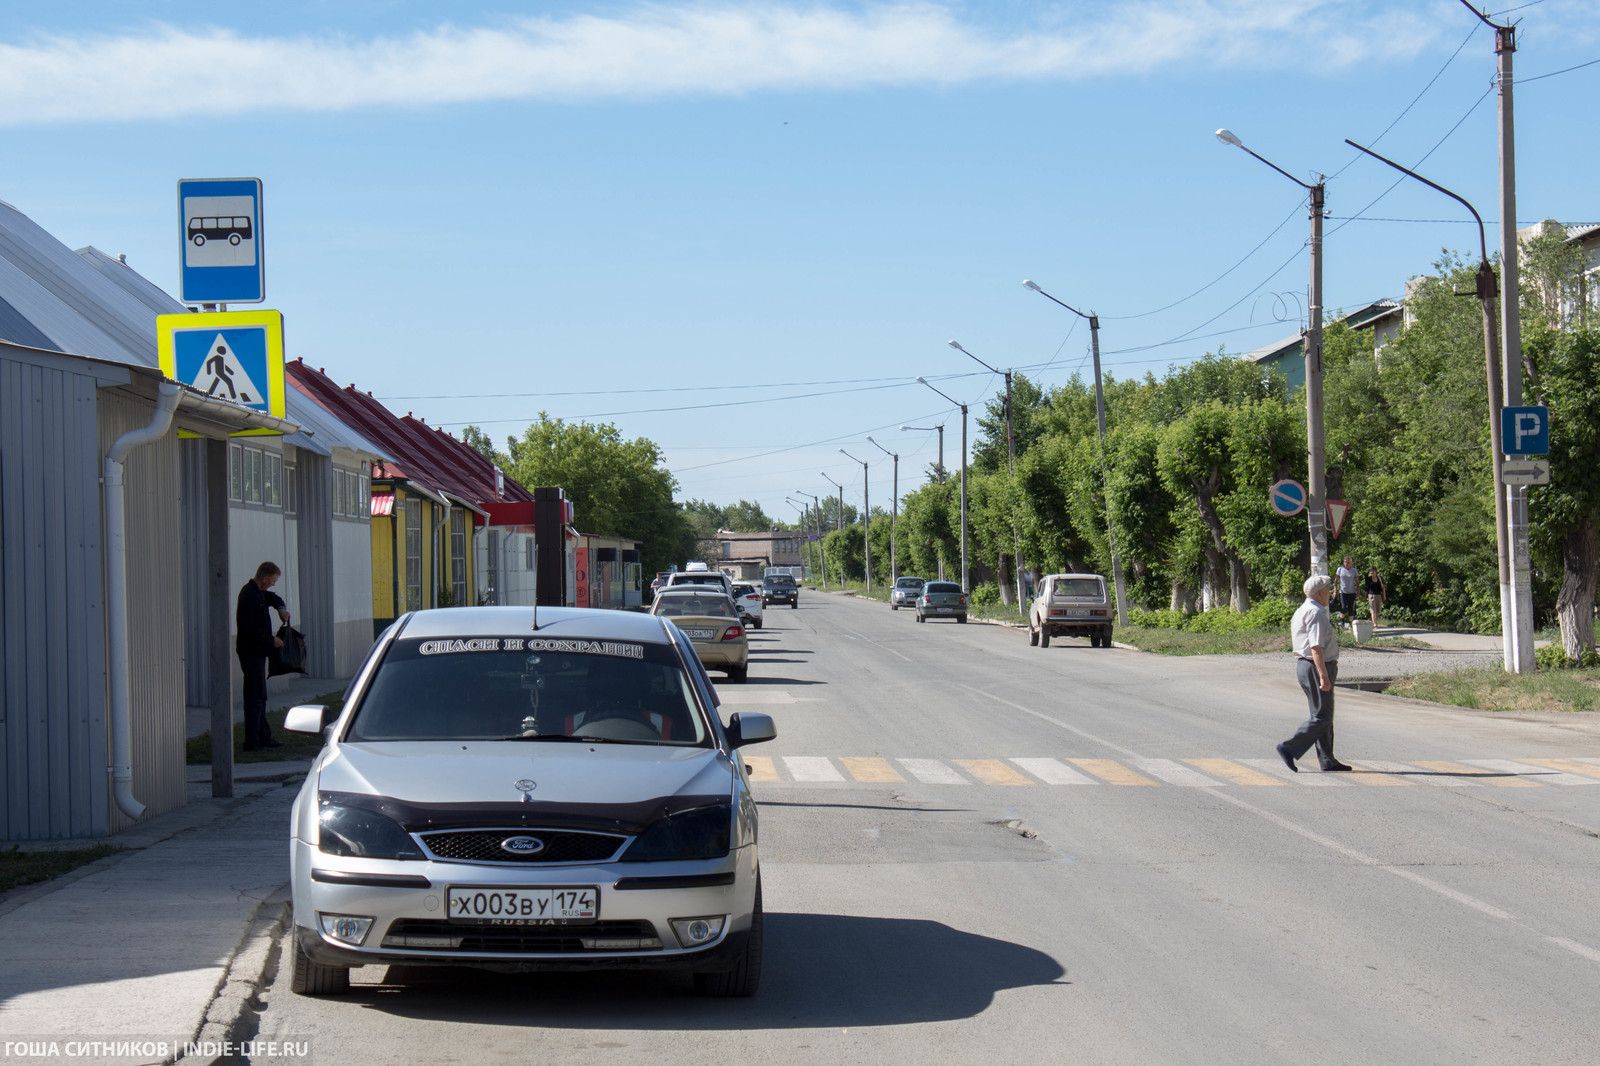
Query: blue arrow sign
[[219, 224], [1525, 430], [1288, 498]]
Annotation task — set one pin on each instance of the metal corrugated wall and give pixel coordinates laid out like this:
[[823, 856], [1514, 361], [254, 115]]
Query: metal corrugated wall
[[52, 638], [155, 606], [315, 617], [196, 584]]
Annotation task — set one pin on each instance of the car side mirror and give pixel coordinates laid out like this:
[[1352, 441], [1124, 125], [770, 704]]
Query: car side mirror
[[750, 727], [310, 718]]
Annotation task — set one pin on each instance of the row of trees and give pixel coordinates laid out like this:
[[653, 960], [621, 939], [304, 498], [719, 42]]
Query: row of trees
[[1182, 477]]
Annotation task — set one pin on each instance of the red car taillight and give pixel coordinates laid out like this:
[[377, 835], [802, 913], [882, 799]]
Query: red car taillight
[[732, 633], [963, 601]]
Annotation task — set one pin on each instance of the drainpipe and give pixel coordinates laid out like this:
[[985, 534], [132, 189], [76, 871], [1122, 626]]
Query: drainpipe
[[121, 768]]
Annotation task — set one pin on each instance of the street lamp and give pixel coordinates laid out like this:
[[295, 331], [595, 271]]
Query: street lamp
[[1516, 627], [894, 509], [965, 573], [838, 518], [816, 522], [930, 429], [1011, 460], [1316, 489], [866, 519], [1100, 416]]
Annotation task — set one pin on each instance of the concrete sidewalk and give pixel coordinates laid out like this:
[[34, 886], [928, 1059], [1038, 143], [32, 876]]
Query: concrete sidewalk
[[283, 691]]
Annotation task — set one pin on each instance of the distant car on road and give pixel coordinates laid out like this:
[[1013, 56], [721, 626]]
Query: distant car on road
[[780, 588], [1071, 605], [709, 619], [905, 591], [520, 790], [748, 599], [941, 599]]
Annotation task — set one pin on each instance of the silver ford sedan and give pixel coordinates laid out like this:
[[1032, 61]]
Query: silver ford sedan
[[528, 790]]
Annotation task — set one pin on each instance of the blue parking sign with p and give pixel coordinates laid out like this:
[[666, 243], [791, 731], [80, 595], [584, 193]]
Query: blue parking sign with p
[[1525, 430]]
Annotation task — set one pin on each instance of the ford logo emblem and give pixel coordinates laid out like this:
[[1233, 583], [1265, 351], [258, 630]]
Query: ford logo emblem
[[522, 845]]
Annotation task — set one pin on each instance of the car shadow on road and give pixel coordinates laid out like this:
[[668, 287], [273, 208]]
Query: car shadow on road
[[767, 679], [821, 970]]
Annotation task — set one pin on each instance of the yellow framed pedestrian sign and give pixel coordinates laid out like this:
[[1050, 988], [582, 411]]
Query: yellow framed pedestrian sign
[[235, 356]]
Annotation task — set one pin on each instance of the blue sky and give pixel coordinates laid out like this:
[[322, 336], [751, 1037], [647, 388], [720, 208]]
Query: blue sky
[[479, 211]]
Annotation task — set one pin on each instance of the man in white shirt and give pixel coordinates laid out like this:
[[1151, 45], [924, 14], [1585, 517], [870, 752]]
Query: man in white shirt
[[1349, 583], [1316, 643]]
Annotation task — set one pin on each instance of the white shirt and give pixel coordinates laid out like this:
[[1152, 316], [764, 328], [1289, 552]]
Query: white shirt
[[1348, 579], [1311, 628]]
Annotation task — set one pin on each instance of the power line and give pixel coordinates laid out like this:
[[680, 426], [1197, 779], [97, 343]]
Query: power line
[[1471, 34], [624, 392], [1553, 73]]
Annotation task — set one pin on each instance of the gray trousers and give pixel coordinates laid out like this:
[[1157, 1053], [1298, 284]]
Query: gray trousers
[[1318, 729]]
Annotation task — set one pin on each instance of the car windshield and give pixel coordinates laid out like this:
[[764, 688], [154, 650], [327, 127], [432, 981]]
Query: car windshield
[[908, 583], [1079, 586], [941, 586], [516, 688], [676, 605], [778, 579]]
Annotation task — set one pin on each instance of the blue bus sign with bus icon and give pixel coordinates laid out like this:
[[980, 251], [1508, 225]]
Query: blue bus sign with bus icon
[[220, 222]]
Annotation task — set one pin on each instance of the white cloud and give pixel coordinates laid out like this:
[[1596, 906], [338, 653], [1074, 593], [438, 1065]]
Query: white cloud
[[692, 49]]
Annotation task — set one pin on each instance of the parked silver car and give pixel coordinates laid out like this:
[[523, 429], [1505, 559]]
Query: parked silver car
[[522, 790], [905, 592]]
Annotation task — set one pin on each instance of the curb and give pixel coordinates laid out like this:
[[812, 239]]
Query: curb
[[233, 1015]]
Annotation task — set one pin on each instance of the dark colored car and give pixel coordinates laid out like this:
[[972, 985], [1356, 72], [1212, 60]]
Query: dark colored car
[[942, 599], [780, 588]]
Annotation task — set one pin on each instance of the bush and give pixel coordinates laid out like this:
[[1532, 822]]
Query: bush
[[986, 596], [1555, 657], [1271, 613]]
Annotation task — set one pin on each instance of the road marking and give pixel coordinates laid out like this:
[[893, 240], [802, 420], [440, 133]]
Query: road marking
[[1240, 775], [1474, 776], [1053, 772], [1421, 774], [761, 768], [811, 768], [1176, 774], [1571, 766], [1541, 775], [870, 771], [1275, 768], [1381, 774], [932, 772], [992, 772], [1111, 771]]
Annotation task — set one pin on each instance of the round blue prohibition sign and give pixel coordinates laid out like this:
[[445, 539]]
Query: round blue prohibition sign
[[1288, 498]]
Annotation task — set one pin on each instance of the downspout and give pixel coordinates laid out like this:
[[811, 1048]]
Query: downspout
[[121, 768], [441, 540]]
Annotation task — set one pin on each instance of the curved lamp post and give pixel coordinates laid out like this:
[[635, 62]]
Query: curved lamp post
[[816, 522], [965, 573], [894, 507], [866, 518]]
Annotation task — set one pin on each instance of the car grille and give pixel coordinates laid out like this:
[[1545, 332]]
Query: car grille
[[483, 846], [426, 934]]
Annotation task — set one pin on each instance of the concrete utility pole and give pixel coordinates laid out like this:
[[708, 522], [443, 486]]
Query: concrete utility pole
[[816, 521], [1316, 460], [1011, 465], [1100, 416], [866, 519], [966, 574], [940, 428], [1485, 292], [838, 518], [894, 510]]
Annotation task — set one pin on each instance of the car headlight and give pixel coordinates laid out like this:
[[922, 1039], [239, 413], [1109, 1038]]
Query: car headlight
[[698, 834], [344, 829]]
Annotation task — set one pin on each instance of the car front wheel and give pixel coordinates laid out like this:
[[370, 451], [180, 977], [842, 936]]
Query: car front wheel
[[313, 979], [1033, 637], [745, 976]]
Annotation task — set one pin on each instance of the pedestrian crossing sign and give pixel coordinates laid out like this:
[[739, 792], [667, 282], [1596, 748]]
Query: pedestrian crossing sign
[[235, 356]]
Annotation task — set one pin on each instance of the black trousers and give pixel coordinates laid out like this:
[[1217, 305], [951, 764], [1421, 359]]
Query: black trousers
[[1318, 729], [256, 730]]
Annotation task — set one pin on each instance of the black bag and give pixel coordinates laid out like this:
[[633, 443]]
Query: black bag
[[291, 658]]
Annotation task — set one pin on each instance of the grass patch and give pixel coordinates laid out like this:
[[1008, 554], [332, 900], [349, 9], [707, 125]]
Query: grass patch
[[1182, 642], [197, 750], [1411, 643], [1489, 688], [18, 867]]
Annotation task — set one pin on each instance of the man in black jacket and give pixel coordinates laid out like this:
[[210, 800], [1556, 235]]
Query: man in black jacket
[[254, 643]]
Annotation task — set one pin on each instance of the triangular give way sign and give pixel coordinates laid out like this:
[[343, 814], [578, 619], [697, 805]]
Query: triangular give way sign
[[1338, 511]]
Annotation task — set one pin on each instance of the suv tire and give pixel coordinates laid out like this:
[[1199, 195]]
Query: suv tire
[[1044, 636]]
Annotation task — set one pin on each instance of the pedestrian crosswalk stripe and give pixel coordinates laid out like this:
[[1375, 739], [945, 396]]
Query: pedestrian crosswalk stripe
[[1175, 773], [1239, 775], [1551, 776], [761, 768], [870, 771], [811, 768], [1053, 772], [1572, 766], [1113, 772], [992, 772], [1469, 774], [932, 772]]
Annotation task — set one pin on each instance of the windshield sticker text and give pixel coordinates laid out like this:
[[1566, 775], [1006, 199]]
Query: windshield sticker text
[[582, 647]]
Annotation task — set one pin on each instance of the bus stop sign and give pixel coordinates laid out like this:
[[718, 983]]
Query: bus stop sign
[[219, 225], [1525, 430]]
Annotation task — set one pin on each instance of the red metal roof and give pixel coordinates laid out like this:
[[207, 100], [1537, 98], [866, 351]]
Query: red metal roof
[[419, 453]]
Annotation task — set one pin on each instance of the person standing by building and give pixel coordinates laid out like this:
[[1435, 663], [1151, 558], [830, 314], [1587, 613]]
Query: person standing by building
[[254, 642], [1349, 581], [1316, 643], [1376, 593]]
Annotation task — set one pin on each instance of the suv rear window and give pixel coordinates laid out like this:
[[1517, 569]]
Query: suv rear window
[[1079, 586]]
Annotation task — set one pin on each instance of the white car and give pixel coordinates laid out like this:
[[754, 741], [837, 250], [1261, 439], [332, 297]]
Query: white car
[[528, 790], [747, 597], [1071, 605]]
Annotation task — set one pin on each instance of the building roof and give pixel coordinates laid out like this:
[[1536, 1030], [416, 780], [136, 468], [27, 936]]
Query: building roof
[[412, 450], [1276, 350]]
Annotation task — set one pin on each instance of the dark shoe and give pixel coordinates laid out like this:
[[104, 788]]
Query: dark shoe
[[1288, 760], [279, 744], [1334, 767]]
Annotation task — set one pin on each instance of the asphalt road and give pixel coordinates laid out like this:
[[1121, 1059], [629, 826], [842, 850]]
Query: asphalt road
[[977, 851]]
